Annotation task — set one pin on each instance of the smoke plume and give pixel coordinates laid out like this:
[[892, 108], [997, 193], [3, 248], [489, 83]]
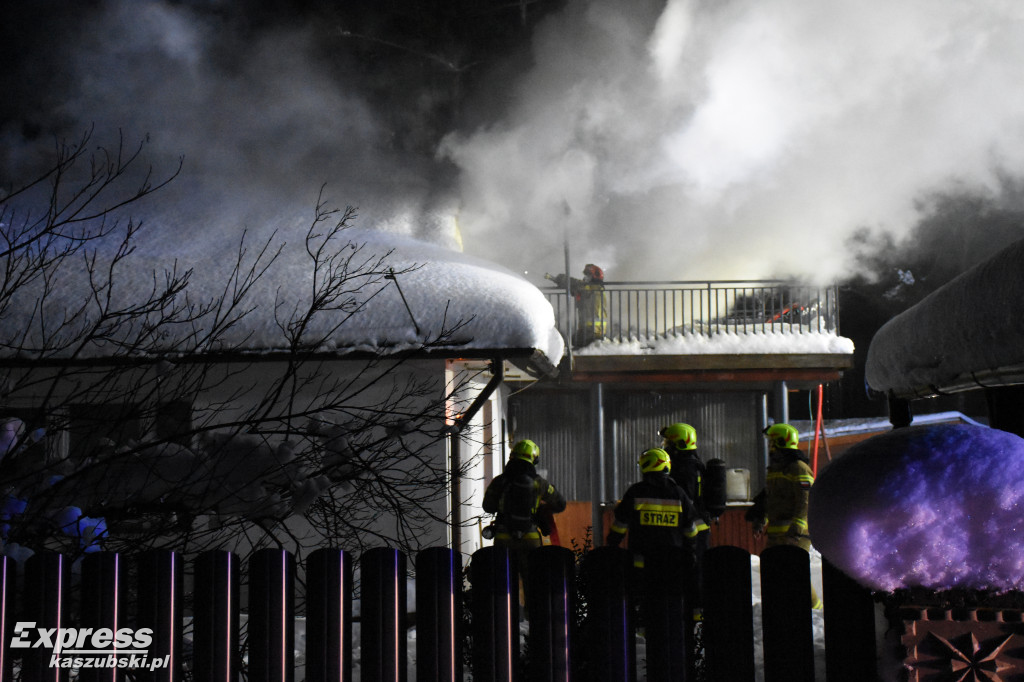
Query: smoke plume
[[695, 139], [260, 108], [678, 139]]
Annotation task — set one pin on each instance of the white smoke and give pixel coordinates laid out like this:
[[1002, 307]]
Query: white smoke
[[697, 139], [666, 139]]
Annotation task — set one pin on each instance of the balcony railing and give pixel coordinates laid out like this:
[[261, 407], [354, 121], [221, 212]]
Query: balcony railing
[[646, 311]]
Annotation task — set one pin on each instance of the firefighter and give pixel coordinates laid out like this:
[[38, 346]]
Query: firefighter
[[591, 304], [516, 496], [780, 510], [655, 511], [680, 442]]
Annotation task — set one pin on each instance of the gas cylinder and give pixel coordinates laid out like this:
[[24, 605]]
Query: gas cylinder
[[714, 487]]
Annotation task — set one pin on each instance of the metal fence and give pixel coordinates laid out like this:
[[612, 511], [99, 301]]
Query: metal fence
[[583, 617], [650, 310]]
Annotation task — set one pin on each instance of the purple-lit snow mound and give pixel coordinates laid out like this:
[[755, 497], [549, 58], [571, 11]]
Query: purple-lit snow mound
[[939, 507]]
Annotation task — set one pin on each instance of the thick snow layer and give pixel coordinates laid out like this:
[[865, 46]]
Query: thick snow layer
[[726, 342], [939, 506], [969, 330], [488, 306]]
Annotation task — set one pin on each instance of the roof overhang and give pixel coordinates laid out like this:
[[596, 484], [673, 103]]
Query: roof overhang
[[800, 371], [967, 334], [528, 360]]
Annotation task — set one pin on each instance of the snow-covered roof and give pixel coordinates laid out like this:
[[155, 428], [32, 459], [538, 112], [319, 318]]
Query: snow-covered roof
[[490, 308], [787, 339], [966, 334], [864, 425]]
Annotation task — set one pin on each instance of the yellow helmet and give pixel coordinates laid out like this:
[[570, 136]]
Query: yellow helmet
[[782, 436], [655, 459], [526, 449], [681, 436]]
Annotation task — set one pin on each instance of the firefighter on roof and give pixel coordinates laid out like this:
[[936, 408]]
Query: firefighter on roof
[[656, 511], [780, 510], [591, 304]]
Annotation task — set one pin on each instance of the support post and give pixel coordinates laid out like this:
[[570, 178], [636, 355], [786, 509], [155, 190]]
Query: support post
[[597, 481], [455, 430], [1006, 408], [781, 403], [900, 414]]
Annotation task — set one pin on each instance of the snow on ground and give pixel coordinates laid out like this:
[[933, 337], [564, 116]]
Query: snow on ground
[[787, 339]]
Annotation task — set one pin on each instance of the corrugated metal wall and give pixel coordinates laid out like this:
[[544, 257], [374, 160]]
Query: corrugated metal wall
[[560, 422]]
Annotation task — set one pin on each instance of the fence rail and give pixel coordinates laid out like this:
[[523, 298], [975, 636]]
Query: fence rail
[[564, 643], [650, 310]]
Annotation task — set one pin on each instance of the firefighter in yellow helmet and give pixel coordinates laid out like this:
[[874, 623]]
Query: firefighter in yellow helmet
[[515, 495], [655, 511], [680, 442], [780, 510], [591, 304]]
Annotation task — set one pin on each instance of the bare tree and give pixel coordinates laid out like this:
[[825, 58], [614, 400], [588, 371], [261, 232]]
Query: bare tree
[[146, 416]]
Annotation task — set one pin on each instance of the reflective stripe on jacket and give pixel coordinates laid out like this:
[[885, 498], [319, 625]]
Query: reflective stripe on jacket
[[657, 513], [787, 490]]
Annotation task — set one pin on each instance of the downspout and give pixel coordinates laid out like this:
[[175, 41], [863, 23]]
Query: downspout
[[458, 424]]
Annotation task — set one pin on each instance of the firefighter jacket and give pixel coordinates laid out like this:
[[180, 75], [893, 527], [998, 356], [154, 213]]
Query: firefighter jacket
[[688, 472], [657, 513], [544, 492], [591, 307], [787, 490]]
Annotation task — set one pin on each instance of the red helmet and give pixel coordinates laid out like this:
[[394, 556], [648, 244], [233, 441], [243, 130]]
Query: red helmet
[[593, 272]]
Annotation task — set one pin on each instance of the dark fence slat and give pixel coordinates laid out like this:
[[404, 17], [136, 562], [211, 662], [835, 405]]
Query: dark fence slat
[[610, 627], [728, 630], [102, 605], [271, 631], [552, 609], [215, 633], [438, 615], [786, 610], [495, 615], [604, 650], [160, 609], [329, 616], [668, 625], [850, 648], [383, 605], [47, 580], [8, 590]]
